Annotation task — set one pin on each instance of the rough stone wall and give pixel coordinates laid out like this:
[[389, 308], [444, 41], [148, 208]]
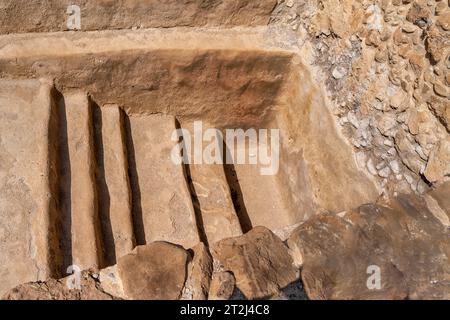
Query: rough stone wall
[[385, 65], [50, 15]]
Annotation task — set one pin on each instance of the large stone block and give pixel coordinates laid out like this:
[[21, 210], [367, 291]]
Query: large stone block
[[79, 200], [155, 271], [26, 201], [259, 261], [166, 204], [113, 184], [397, 251]]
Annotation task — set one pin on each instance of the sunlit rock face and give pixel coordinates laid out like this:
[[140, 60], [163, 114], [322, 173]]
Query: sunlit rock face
[[354, 97]]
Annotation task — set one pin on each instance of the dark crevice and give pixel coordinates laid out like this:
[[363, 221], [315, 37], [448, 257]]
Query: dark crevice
[[55, 257], [136, 205], [425, 180], [61, 217], [98, 218], [194, 197], [123, 136], [236, 192], [103, 196]]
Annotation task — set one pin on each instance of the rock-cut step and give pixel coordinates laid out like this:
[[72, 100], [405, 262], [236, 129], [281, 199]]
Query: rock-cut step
[[219, 218], [25, 182], [114, 192], [79, 195], [166, 205], [212, 194]]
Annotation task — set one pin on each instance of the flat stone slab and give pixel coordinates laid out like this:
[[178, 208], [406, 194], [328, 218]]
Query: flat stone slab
[[220, 220], [262, 195], [167, 210], [114, 190], [212, 191], [25, 108]]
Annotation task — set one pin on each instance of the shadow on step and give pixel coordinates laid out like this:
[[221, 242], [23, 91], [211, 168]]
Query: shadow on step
[[60, 237], [108, 248], [236, 193], [194, 197], [136, 209]]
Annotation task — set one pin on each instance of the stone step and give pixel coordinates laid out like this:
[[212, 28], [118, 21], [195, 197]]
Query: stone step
[[26, 202], [214, 200], [212, 192], [113, 184], [262, 197], [166, 204], [81, 199]]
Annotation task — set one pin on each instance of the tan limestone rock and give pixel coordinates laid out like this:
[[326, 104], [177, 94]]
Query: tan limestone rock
[[200, 270], [259, 261], [165, 196], [156, 271], [87, 287], [222, 286], [81, 201], [341, 253], [27, 239], [38, 16], [212, 195], [441, 194], [438, 165], [114, 186], [111, 282]]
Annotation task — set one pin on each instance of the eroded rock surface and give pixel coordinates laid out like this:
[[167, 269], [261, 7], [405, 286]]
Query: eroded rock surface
[[156, 271], [402, 240], [89, 289], [441, 195], [79, 200], [50, 15], [114, 190], [259, 261], [385, 68], [360, 91], [394, 250], [200, 269], [26, 203], [222, 286], [165, 194]]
